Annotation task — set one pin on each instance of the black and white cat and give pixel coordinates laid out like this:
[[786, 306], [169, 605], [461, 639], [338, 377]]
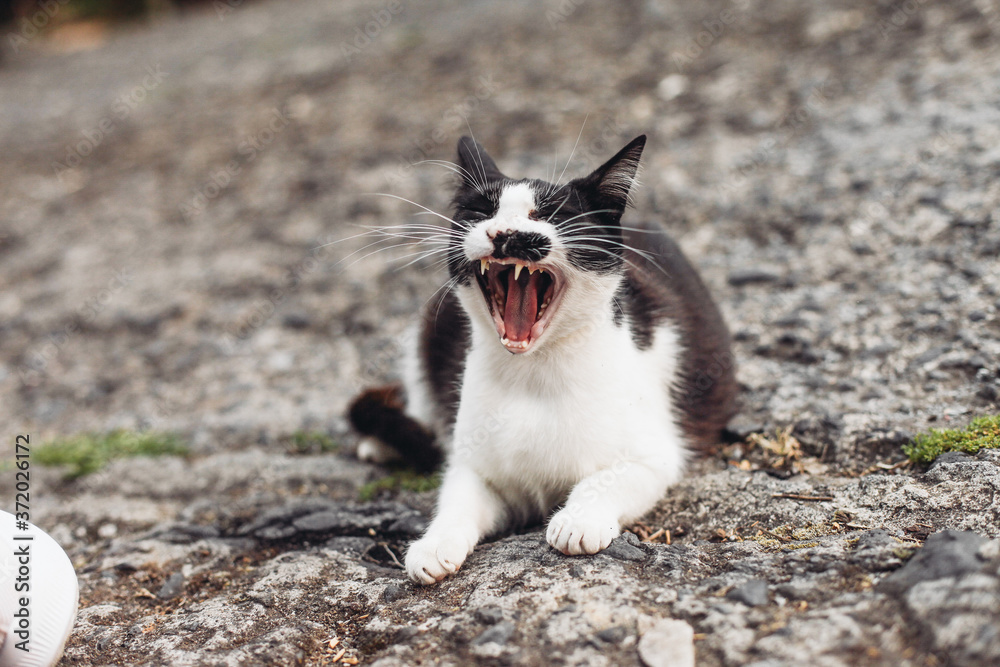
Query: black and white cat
[[574, 366]]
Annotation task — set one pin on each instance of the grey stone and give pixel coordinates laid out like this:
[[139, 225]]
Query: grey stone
[[874, 539], [742, 277], [497, 634], [324, 522], [931, 354], [413, 525], [614, 635], [405, 633], [957, 616], [284, 515], [172, 587], [355, 546], [296, 321], [326, 517], [263, 598], [394, 592], [489, 615], [184, 533], [624, 548], [753, 593], [988, 392], [678, 557], [949, 458], [275, 532], [946, 554]]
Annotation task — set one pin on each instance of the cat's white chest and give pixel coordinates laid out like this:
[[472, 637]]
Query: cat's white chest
[[535, 427]]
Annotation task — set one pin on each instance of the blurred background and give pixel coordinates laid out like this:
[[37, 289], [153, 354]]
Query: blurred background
[[185, 189], [180, 183]]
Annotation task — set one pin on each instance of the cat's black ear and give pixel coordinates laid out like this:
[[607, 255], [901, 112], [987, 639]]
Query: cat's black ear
[[612, 181], [477, 166]]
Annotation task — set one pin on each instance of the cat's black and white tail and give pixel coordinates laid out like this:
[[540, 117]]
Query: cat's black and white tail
[[380, 413]]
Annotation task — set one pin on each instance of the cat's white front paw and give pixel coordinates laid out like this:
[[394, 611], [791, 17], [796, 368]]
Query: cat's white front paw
[[430, 559], [581, 532]]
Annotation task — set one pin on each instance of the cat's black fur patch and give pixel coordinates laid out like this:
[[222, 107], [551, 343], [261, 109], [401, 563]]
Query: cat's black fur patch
[[671, 291], [445, 336]]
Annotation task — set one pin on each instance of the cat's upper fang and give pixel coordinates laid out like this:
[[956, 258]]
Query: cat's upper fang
[[485, 262]]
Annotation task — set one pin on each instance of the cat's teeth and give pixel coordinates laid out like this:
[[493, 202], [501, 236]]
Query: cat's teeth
[[532, 269], [482, 266], [517, 270]]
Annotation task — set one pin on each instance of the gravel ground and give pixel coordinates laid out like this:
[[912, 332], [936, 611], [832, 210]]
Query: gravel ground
[[179, 202]]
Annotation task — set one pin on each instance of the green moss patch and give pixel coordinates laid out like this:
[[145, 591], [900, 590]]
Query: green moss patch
[[982, 433], [400, 480], [89, 452], [311, 442]]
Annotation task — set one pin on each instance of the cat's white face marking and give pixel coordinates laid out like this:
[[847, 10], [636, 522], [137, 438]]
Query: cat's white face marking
[[519, 272], [516, 203]]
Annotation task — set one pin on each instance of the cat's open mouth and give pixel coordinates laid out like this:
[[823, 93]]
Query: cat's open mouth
[[521, 297]]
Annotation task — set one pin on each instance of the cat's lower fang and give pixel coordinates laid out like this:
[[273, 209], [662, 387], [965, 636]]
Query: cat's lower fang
[[509, 343], [541, 309]]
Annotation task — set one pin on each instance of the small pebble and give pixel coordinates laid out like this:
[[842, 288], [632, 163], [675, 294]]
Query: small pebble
[[172, 587], [753, 593]]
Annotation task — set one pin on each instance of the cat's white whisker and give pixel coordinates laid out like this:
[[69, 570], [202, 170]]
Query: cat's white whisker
[[649, 258], [461, 171], [573, 152], [479, 154], [406, 242], [558, 208], [408, 201], [347, 238]]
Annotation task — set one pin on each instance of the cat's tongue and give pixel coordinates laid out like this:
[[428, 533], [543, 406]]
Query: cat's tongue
[[522, 305]]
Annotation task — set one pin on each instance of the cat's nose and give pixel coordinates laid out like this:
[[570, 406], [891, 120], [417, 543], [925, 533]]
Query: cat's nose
[[527, 246]]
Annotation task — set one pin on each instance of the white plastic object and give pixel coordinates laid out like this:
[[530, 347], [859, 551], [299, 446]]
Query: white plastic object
[[52, 595]]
